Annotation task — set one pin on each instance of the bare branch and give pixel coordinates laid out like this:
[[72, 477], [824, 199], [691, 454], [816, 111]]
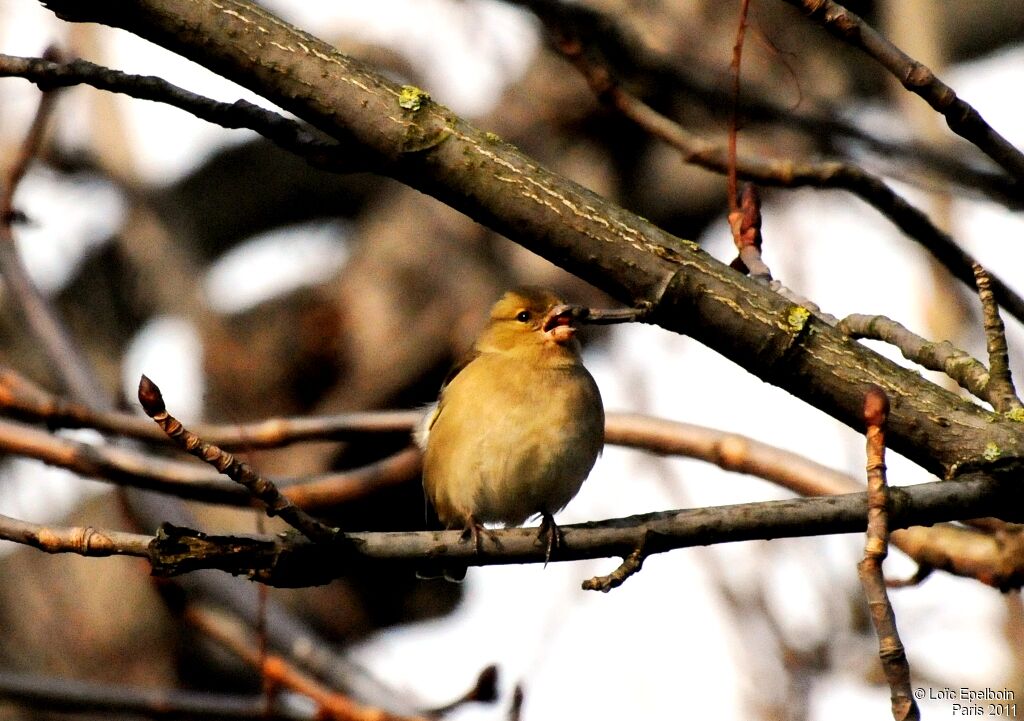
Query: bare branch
[[943, 356], [788, 173], [316, 148], [84, 541], [277, 672], [291, 562], [961, 117], [275, 503]]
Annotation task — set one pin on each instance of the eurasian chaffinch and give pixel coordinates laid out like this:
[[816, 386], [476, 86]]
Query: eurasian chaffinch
[[518, 427]]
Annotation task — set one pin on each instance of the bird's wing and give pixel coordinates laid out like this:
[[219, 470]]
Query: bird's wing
[[422, 432]]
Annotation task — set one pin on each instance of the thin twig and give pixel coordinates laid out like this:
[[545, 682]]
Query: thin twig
[[275, 503], [943, 357], [21, 398], [298, 138], [81, 540], [630, 565], [961, 117], [876, 548], [999, 391]]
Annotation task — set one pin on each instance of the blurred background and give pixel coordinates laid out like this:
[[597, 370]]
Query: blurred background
[[250, 285]]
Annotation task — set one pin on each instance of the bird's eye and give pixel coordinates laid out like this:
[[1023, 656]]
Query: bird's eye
[[523, 316]]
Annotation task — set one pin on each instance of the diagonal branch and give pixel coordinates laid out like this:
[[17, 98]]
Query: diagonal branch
[[431, 149], [275, 503]]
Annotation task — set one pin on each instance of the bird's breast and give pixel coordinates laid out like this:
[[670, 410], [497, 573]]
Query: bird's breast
[[512, 440]]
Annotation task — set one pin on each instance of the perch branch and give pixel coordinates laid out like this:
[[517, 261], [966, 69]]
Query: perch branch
[[294, 562]]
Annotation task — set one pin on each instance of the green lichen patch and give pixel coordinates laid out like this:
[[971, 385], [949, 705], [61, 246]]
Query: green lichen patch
[[412, 98], [492, 137], [797, 318], [1017, 414], [992, 452]]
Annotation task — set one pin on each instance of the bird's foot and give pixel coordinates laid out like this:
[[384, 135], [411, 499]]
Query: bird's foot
[[474, 532], [549, 534]]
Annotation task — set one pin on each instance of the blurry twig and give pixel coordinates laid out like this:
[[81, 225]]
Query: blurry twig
[[278, 672], [335, 489], [961, 117], [71, 696], [275, 503], [485, 690], [133, 469], [732, 190], [54, 339], [515, 710], [23, 399], [876, 548]]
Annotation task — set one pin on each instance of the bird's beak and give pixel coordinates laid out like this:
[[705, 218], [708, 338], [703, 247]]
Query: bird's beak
[[560, 324]]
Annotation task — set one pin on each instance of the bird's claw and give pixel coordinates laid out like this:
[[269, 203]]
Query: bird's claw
[[550, 529], [474, 532]]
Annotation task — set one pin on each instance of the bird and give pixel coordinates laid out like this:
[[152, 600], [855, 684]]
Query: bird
[[518, 426]]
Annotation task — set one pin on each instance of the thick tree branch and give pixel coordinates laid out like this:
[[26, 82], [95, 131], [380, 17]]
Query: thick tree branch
[[431, 149]]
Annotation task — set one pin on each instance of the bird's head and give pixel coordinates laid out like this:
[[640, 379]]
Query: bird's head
[[531, 318]]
